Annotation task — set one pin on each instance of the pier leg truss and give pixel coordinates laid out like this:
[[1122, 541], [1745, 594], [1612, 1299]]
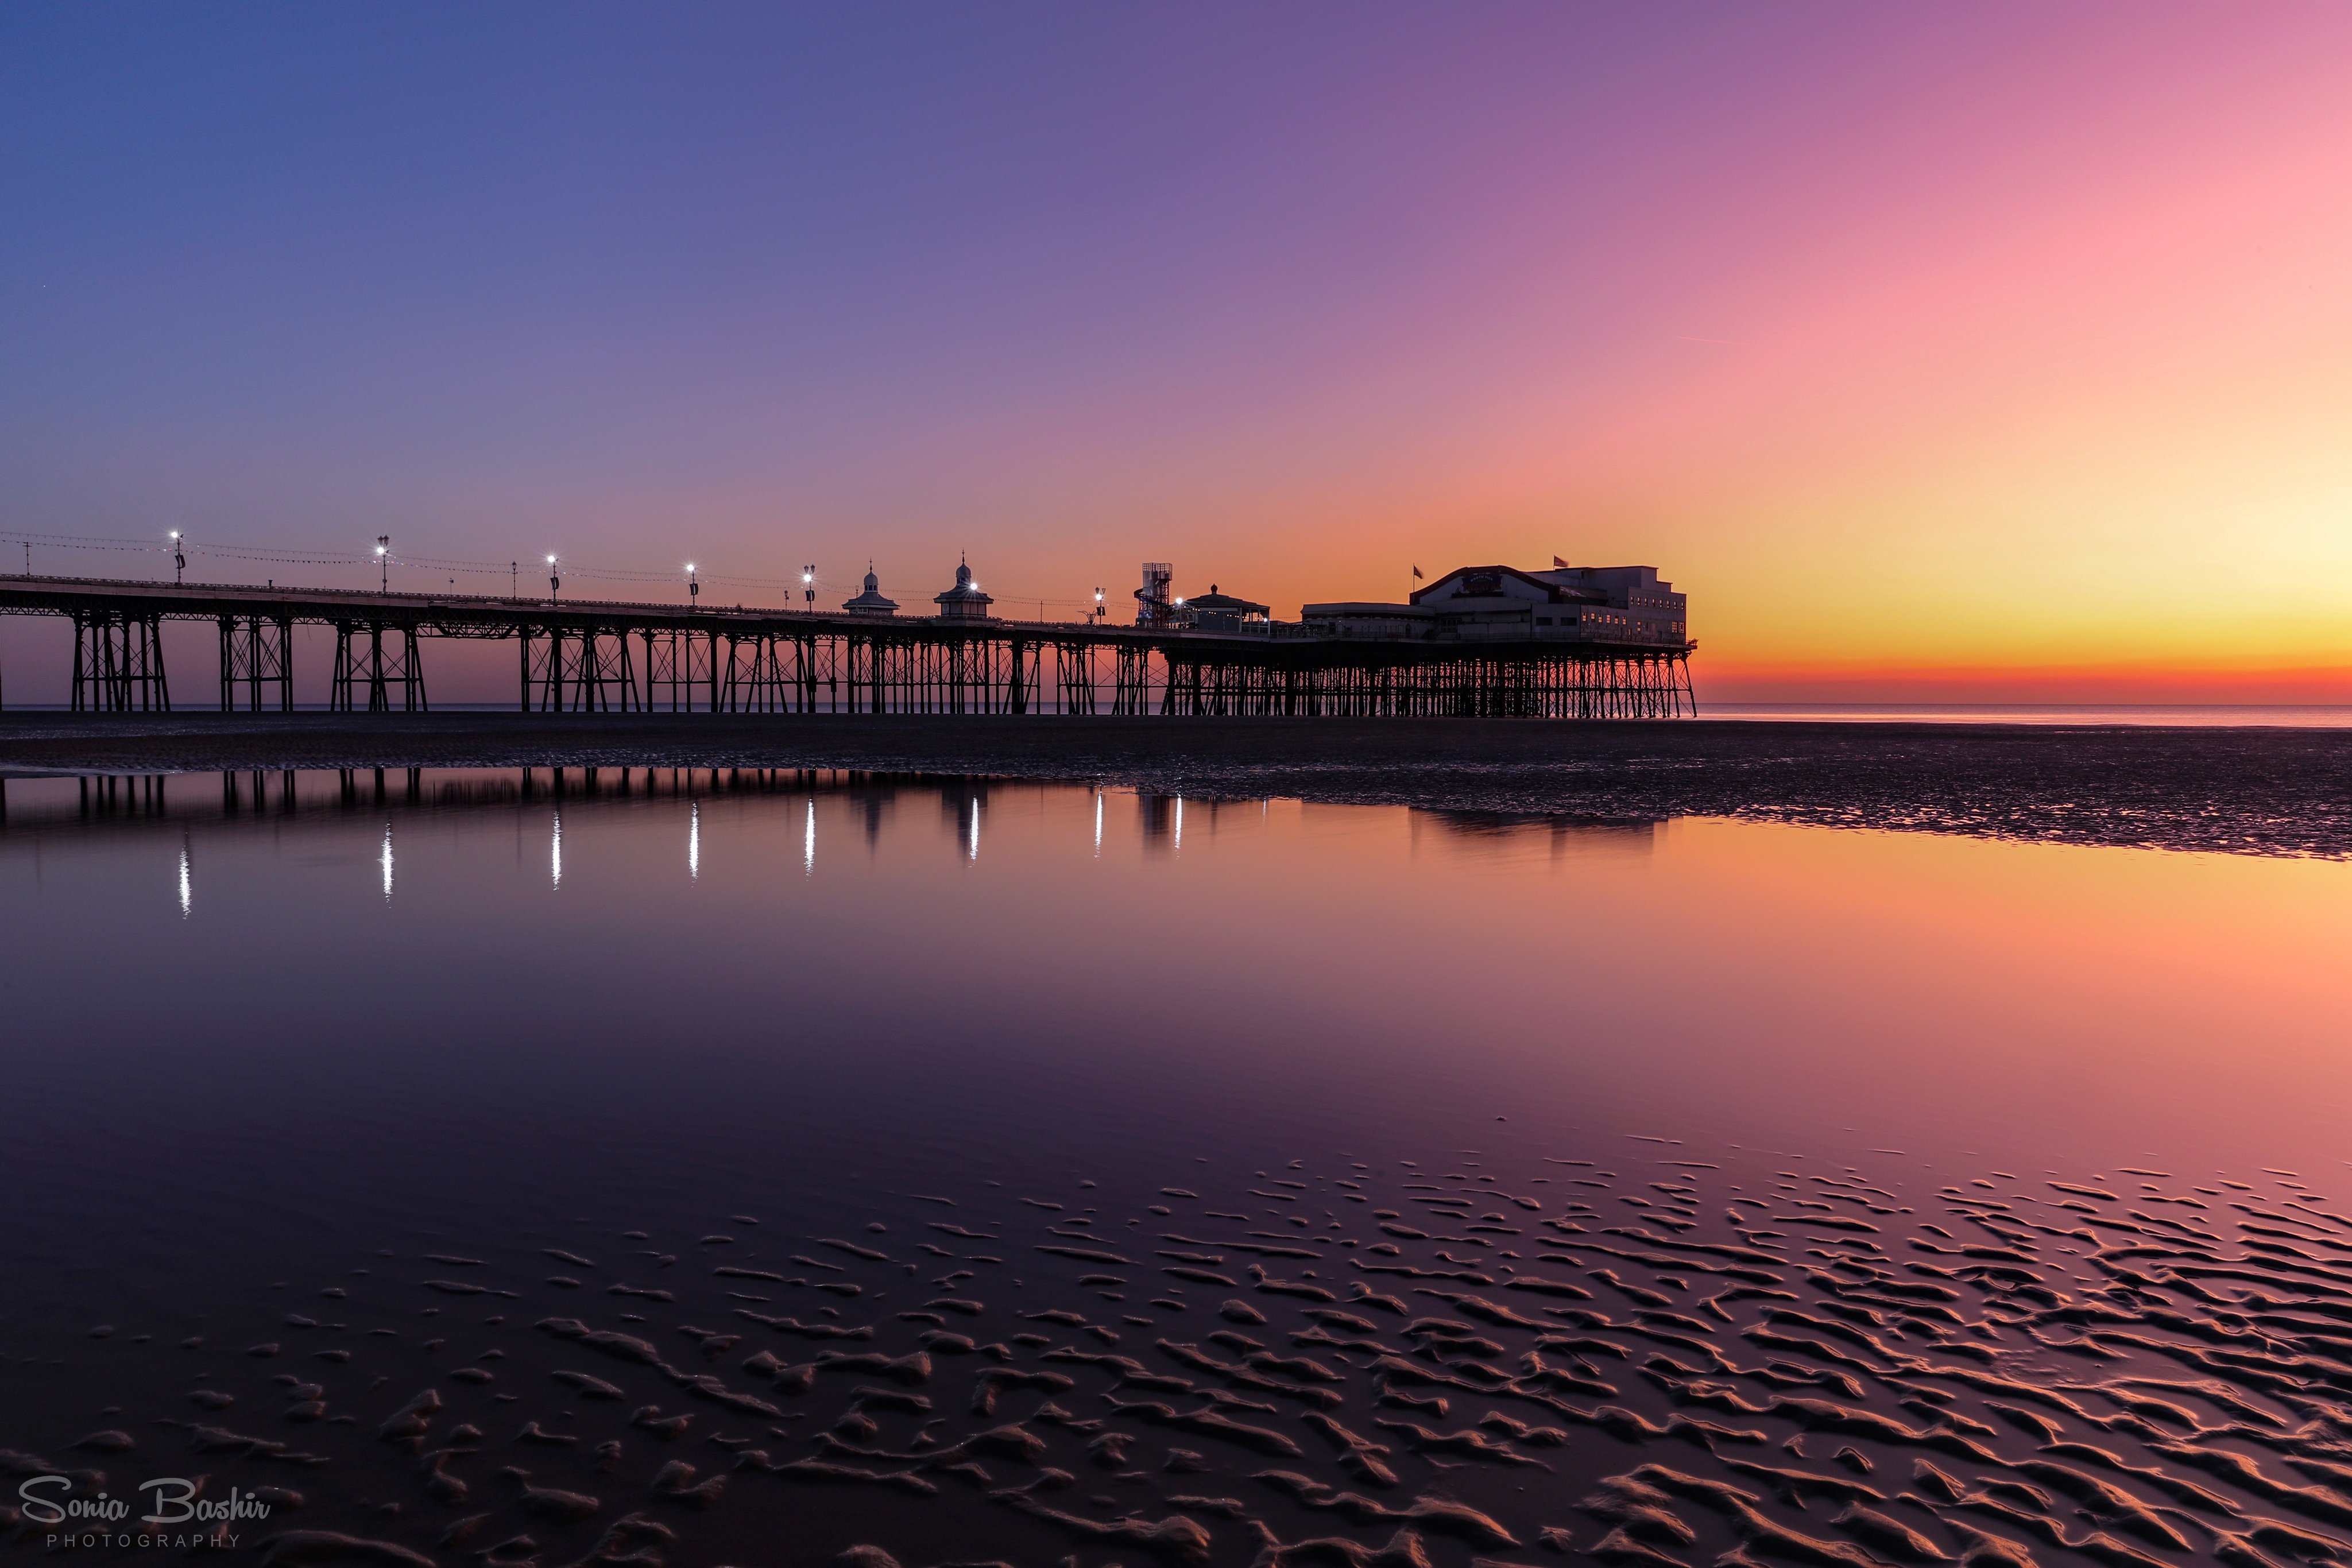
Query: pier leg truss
[[118, 665], [257, 659], [580, 669], [380, 663], [1515, 684], [725, 671]]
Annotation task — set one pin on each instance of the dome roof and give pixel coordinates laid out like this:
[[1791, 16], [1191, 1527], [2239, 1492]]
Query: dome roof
[[871, 602], [965, 600]]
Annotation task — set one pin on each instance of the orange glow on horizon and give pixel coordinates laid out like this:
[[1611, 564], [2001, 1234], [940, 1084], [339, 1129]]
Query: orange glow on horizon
[[1977, 350], [2059, 684]]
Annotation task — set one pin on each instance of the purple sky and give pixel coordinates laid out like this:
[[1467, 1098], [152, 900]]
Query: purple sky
[[1295, 296]]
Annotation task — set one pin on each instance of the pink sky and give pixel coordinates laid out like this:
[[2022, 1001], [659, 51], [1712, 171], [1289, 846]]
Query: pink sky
[[1995, 351]]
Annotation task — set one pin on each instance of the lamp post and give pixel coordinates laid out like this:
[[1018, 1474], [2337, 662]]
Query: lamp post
[[808, 588], [179, 559], [554, 583], [1098, 607], [693, 586], [384, 563]]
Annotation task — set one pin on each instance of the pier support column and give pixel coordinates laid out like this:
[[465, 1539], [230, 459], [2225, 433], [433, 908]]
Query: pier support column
[[119, 663], [256, 652], [384, 661]]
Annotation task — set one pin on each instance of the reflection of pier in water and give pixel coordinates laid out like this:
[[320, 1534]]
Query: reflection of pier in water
[[114, 800], [187, 806]]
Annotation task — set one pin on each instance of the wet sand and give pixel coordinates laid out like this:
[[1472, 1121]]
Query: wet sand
[[2238, 791], [1645, 1353]]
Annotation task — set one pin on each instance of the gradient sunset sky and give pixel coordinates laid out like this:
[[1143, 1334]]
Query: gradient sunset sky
[[1992, 351]]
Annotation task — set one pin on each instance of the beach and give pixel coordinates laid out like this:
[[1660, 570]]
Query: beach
[[2236, 790]]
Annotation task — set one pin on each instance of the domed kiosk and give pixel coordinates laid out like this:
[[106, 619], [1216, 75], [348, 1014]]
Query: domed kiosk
[[871, 602], [964, 602]]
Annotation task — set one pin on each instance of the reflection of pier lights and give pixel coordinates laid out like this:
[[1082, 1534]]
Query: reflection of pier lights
[[808, 840], [387, 859], [962, 800], [355, 794], [187, 879]]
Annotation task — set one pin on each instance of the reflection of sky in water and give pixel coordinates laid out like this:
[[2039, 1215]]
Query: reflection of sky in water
[[241, 1031]]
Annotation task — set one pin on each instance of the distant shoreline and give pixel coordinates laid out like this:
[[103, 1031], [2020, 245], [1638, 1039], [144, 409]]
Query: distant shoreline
[[2279, 791]]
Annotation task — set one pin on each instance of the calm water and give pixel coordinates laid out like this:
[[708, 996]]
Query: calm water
[[259, 1050], [2296, 716]]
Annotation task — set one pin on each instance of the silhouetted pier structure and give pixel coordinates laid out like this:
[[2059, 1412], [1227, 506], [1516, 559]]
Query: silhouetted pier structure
[[582, 656]]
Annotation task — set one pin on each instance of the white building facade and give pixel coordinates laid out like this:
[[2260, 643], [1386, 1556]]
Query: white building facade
[[1619, 604]]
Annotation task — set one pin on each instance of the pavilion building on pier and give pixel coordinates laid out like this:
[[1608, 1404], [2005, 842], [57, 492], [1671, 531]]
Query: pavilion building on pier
[[871, 602], [1605, 605], [964, 602]]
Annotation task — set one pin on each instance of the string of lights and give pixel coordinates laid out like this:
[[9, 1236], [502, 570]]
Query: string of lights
[[461, 567], [69, 541]]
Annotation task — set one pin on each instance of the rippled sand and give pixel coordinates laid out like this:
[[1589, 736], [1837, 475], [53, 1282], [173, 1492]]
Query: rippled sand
[[1646, 1353]]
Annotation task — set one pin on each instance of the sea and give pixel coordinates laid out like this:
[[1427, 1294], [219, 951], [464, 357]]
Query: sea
[[2288, 715]]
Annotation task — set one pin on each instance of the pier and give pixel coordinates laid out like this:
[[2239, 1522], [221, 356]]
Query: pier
[[605, 657]]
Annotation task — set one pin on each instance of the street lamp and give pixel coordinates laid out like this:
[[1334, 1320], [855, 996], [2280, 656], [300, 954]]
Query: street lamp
[[808, 587], [384, 562], [554, 583], [179, 559], [1098, 607], [693, 586]]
